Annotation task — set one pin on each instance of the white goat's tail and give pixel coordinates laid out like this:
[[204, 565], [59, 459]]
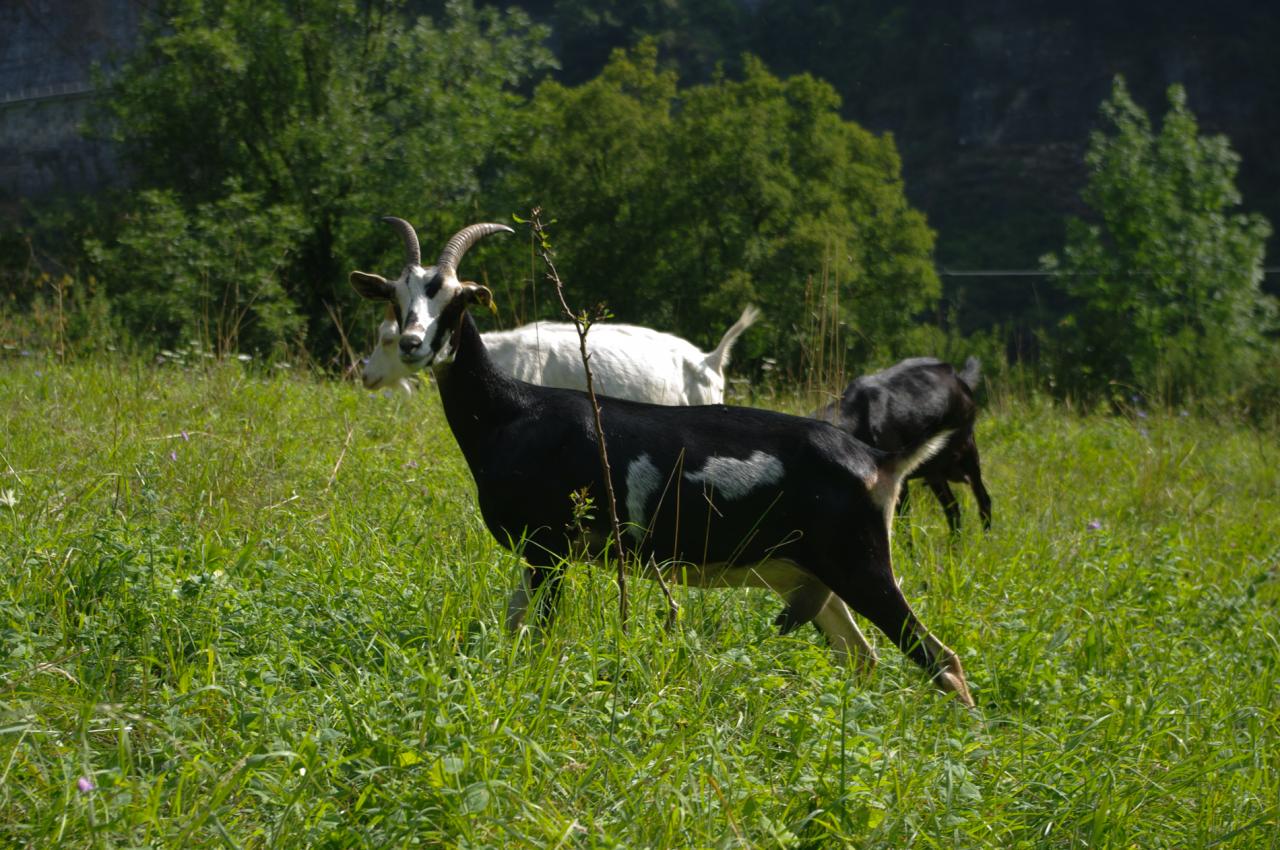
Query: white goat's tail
[[719, 358]]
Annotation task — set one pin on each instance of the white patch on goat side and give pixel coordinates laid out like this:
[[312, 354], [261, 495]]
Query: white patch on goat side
[[733, 478], [643, 480]]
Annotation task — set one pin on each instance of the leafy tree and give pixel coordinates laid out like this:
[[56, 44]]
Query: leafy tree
[[677, 206], [1166, 277], [326, 109]]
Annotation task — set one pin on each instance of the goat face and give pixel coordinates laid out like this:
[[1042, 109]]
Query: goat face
[[427, 301], [383, 368]]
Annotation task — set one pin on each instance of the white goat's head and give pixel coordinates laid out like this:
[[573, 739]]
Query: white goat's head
[[383, 368], [428, 302]]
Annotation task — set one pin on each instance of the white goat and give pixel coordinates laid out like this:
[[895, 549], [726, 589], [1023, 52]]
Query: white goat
[[627, 361]]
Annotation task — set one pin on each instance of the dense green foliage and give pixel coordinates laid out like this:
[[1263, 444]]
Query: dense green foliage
[[679, 206], [255, 611], [265, 139], [273, 135], [1166, 284], [333, 111], [213, 274], [990, 105], [675, 206]]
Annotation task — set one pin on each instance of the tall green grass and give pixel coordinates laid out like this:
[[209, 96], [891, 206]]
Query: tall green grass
[[261, 610]]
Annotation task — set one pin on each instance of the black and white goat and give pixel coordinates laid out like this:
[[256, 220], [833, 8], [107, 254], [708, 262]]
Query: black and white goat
[[907, 404], [726, 496]]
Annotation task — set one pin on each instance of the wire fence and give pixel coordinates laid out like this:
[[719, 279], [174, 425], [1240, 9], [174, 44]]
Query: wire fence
[[55, 91]]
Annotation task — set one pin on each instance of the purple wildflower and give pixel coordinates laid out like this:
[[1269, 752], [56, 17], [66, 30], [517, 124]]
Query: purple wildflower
[[1095, 525], [173, 456], [1142, 414], [186, 437], [85, 784]]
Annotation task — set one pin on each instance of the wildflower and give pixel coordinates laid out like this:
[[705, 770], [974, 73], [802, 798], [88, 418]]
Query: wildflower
[[1095, 525], [39, 374], [186, 438], [1144, 432], [1183, 414], [173, 456], [409, 464], [85, 784], [1142, 414]]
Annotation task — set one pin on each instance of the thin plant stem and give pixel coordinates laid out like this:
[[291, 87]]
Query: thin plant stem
[[582, 324]]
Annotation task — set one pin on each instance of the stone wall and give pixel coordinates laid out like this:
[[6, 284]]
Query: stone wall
[[48, 53]]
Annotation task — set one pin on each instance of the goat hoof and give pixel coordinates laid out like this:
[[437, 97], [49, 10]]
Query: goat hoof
[[787, 621]]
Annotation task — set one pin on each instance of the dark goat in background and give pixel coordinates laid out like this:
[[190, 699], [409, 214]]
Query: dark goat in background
[[909, 402]]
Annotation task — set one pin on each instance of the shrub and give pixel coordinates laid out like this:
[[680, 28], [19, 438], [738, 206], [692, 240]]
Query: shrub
[[212, 274], [1165, 279]]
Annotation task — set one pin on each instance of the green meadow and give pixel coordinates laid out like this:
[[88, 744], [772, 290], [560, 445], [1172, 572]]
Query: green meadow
[[252, 608]]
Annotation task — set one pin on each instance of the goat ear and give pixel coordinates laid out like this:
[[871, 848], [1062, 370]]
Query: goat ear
[[480, 295], [372, 286]]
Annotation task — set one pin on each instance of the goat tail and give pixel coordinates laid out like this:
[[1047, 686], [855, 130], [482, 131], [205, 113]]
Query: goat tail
[[719, 358], [971, 373], [894, 467]]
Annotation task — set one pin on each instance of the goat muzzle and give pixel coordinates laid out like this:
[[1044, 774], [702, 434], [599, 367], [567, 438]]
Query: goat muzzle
[[410, 341]]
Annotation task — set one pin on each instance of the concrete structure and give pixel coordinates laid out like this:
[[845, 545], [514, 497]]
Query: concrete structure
[[48, 52]]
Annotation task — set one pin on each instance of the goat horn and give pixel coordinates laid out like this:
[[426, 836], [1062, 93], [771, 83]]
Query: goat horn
[[412, 253], [461, 241]]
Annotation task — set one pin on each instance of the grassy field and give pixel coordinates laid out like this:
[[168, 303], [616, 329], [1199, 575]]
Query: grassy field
[[252, 610]]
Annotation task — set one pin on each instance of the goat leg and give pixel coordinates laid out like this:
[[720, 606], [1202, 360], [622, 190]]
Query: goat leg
[[848, 643], [803, 604], [973, 473], [874, 594], [537, 584], [950, 506]]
